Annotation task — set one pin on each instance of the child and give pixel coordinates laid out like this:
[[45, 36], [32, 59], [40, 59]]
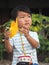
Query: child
[[24, 43]]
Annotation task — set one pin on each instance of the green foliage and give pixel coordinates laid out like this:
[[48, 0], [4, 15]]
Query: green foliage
[[46, 59], [1, 50], [43, 31], [37, 24], [39, 17], [44, 43], [7, 24]]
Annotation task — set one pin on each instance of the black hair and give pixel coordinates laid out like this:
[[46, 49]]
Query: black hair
[[19, 8]]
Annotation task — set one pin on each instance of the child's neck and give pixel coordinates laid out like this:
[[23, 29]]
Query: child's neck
[[20, 31]]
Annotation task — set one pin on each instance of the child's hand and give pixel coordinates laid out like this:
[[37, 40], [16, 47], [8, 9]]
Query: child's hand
[[6, 34], [25, 31]]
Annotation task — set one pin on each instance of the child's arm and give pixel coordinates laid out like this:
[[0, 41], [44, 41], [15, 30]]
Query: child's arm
[[32, 41], [8, 46]]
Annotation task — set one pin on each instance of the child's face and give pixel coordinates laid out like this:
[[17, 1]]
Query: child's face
[[24, 20]]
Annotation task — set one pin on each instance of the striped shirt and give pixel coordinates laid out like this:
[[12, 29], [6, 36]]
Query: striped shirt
[[17, 47]]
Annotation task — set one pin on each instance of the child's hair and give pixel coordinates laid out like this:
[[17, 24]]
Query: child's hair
[[19, 8]]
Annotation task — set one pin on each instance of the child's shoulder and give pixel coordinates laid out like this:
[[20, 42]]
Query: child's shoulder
[[31, 32]]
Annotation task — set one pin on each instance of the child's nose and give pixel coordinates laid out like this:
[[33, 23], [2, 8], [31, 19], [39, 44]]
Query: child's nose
[[27, 20]]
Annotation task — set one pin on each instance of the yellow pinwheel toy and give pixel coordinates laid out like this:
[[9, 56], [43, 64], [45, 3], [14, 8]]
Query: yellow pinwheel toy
[[13, 28]]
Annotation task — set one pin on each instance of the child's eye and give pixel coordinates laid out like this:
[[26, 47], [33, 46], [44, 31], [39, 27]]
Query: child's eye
[[29, 16], [22, 17]]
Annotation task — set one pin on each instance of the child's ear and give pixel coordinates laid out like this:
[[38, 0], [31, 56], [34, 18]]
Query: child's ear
[[16, 19]]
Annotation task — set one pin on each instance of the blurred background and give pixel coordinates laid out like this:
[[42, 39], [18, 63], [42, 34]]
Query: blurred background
[[40, 24]]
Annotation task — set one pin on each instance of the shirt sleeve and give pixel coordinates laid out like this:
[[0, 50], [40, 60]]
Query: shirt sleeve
[[34, 35]]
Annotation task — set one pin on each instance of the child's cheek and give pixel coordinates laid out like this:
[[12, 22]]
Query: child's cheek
[[20, 24]]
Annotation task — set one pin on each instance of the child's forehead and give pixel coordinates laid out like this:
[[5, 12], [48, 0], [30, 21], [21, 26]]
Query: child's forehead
[[23, 13]]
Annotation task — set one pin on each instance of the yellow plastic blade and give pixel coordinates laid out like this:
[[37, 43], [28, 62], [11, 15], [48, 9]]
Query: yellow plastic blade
[[14, 28]]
